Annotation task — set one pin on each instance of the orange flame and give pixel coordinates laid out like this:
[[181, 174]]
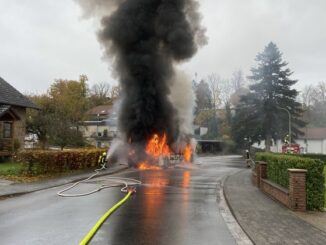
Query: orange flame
[[157, 146], [146, 166], [157, 149], [187, 153]]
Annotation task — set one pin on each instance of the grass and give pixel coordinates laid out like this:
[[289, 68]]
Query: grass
[[17, 172], [11, 169]]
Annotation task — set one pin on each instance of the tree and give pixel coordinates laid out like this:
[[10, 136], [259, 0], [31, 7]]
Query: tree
[[203, 96], [39, 121], [70, 99], [319, 92], [115, 92], [100, 94], [205, 111], [62, 109], [259, 114], [213, 81], [70, 102], [314, 103], [63, 134], [237, 81], [307, 96]]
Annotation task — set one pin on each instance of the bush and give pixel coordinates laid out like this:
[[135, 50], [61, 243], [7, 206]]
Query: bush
[[44, 162], [315, 156], [277, 171]]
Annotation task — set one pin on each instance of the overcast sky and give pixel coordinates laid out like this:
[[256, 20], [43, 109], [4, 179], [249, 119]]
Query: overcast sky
[[43, 40]]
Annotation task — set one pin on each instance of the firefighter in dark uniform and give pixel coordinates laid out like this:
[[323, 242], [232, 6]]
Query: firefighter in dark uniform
[[247, 154], [248, 158]]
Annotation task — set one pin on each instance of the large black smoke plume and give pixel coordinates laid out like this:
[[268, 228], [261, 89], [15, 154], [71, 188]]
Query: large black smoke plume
[[145, 39]]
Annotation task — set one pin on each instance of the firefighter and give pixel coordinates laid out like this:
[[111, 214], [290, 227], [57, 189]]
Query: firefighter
[[247, 154], [248, 158], [102, 159]]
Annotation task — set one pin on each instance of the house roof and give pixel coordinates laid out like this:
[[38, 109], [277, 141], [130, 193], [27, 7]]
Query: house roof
[[313, 133], [11, 96], [6, 109], [101, 110]]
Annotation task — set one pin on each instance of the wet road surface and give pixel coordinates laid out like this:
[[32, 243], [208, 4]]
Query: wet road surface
[[173, 206]]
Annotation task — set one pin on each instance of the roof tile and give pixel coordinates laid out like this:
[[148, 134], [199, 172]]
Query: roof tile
[[11, 96], [313, 133]]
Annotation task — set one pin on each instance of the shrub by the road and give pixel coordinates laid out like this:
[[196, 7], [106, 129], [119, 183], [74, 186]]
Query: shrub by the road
[[277, 171], [45, 162], [321, 157]]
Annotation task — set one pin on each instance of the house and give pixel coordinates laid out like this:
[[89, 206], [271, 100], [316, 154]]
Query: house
[[313, 141], [100, 112], [101, 127], [12, 118]]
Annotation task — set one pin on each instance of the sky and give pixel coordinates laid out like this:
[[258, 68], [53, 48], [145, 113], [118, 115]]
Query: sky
[[44, 40]]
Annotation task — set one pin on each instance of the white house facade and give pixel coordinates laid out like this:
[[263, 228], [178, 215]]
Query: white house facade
[[313, 141]]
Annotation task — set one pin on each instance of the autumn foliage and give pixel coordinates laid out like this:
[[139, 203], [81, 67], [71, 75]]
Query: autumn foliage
[[44, 162]]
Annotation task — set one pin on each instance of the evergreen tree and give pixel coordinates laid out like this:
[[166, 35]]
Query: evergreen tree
[[203, 97], [260, 114]]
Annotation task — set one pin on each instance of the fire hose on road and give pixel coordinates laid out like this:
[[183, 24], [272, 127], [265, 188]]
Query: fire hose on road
[[128, 186], [100, 222]]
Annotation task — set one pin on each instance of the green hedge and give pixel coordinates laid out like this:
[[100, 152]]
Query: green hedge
[[277, 171], [321, 157], [44, 162]]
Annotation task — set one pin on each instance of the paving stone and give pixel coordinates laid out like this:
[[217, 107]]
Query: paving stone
[[265, 220]]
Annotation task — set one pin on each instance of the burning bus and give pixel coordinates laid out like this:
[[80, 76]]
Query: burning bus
[[146, 42], [158, 154]]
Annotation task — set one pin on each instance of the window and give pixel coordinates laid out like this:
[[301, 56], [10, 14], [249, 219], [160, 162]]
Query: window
[[7, 130]]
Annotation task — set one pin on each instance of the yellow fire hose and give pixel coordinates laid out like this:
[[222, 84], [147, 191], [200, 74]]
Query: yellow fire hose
[[100, 222]]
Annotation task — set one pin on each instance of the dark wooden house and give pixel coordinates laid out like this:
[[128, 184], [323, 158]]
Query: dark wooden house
[[12, 118]]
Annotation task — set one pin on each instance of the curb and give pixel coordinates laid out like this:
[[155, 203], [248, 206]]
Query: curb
[[232, 211], [20, 193]]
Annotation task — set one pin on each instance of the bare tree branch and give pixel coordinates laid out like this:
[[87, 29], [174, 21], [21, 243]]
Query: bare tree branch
[[101, 90], [213, 81]]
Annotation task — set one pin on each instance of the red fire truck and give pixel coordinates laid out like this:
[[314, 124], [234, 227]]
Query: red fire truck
[[292, 149]]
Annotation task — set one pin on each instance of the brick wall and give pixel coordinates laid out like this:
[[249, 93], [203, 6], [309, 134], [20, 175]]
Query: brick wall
[[277, 192], [297, 189], [254, 178], [294, 197]]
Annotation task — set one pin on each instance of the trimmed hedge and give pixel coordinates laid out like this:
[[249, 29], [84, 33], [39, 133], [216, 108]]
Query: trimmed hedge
[[321, 157], [277, 171], [44, 162]]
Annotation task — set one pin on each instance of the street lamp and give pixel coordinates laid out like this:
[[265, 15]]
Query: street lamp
[[248, 150], [290, 131]]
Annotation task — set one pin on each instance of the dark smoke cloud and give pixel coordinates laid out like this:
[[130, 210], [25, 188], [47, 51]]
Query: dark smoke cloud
[[145, 39]]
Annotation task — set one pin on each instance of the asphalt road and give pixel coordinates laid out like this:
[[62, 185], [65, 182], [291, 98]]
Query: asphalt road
[[174, 206]]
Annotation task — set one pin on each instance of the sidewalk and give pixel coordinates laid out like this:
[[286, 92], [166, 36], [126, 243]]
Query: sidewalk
[[265, 220], [8, 189]]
